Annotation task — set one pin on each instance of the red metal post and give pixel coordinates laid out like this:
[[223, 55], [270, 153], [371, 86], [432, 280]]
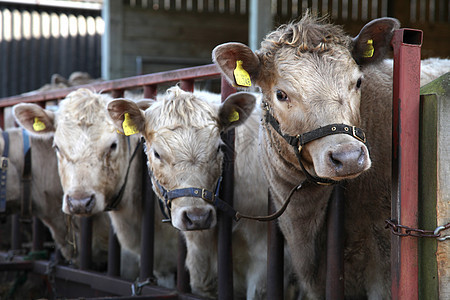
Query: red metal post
[[86, 243], [113, 254], [148, 217], [224, 222], [335, 245], [275, 257], [405, 142]]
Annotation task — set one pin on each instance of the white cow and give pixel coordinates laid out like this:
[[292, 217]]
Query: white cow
[[100, 170], [46, 193], [183, 145]]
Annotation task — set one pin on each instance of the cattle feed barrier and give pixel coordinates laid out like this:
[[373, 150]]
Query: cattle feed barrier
[[107, 285], [186, 78]]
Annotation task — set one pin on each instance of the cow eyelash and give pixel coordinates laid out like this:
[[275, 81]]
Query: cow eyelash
[[282, 96]]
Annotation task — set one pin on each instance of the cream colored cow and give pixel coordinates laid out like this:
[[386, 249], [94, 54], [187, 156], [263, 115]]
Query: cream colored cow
[[183, 146], [46, 193], [100, 170]]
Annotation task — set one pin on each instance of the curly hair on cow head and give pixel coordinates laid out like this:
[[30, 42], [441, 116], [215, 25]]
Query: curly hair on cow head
[[309, 34]]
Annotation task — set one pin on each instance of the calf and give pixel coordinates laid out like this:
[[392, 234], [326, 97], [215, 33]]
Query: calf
[[183, 146], [46, 193], [100, 170]]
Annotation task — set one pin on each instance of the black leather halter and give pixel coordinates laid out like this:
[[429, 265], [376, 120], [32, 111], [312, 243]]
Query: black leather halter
[[118, 197], [206, 195], [298, 141]]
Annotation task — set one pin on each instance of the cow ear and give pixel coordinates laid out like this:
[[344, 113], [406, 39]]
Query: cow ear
[[35, 119], [374, 40], [235, 60], [235, 110], [126, 115], [145, 103]]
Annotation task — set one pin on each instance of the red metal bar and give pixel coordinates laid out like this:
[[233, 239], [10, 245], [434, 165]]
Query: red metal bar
[[148, 217], [86, 243], [197, 73], [113, 254], [38, 234], [405, 135], [224, 222], [335, 245], [148, 225], [275, 257], [16, 240]]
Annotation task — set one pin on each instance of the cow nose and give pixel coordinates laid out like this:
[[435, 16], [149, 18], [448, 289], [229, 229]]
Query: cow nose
[[80, 205], [348, 161], [197, 219]]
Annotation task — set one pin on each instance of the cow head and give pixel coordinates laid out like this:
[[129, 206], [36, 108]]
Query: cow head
[[92, 156], [310, 75], [183, 145]]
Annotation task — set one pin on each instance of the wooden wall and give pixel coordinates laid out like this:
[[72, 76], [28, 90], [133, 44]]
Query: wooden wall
[[168, 40], [169, 34]]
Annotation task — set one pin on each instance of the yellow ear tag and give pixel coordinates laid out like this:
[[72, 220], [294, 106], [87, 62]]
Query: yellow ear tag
[[128, 127], [369, 51], [241, 76], [38, 125], [234, 116]]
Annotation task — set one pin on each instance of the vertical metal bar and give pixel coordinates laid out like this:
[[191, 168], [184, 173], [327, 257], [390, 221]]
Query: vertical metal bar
[[405, 142], [275, 257], [183, 285], [117, 93], [148, 217], [15, 232], [38, 234], [335, 245], [225, 259], [113, 254], [86, 243], [148, 225], [150, 92]]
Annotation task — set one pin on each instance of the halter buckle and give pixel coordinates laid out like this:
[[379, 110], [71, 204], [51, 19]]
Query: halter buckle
[[361, 137], [205, 196], [4, 163]]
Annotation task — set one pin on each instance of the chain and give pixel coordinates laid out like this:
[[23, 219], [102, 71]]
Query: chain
[[402, 230], [136, 287]]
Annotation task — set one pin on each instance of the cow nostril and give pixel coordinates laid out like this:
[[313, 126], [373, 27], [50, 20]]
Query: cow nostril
[[187, 219], [335, 160]]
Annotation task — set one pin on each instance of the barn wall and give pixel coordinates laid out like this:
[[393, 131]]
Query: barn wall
[[167, 40], [39, 41]]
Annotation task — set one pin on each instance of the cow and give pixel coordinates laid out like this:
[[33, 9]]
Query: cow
[[183, 146], [45, 194], [100, 170], [327, 119]]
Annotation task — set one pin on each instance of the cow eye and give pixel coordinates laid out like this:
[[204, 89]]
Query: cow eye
[[281, 96], [113, 146], [156, 154], [358, 83]]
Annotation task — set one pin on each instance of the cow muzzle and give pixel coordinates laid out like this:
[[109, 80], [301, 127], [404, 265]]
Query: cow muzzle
[[80, 204], [194, 218]]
